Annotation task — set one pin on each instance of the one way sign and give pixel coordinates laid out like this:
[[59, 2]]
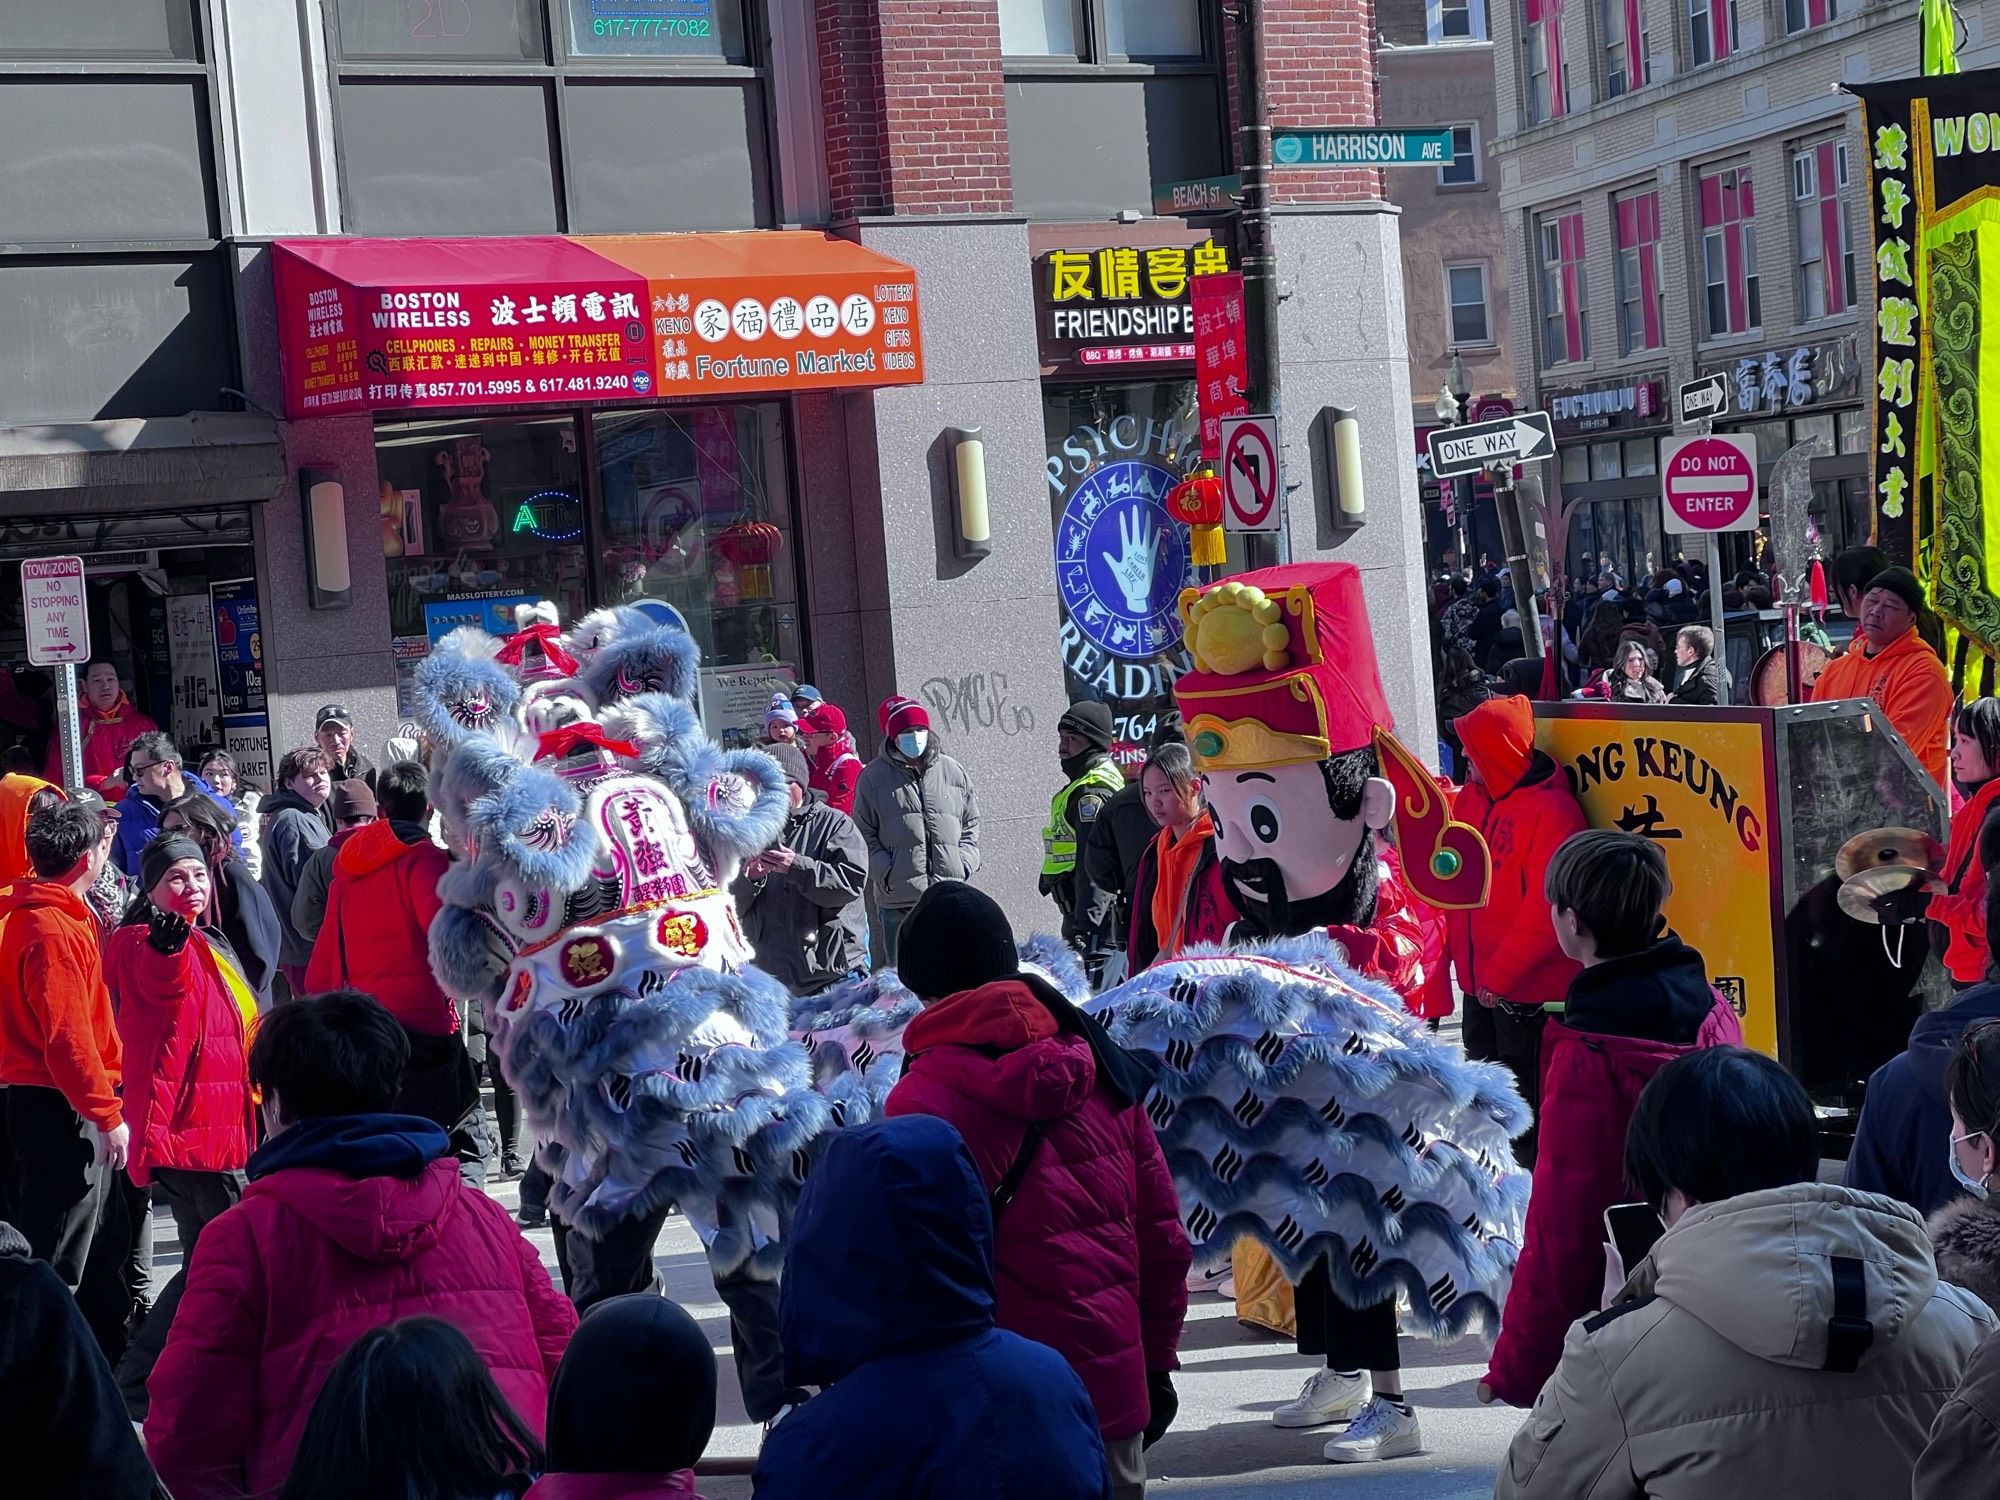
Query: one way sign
[[1510, 440]]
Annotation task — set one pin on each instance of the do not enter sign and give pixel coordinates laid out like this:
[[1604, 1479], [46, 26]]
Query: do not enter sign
[[1710, 483]]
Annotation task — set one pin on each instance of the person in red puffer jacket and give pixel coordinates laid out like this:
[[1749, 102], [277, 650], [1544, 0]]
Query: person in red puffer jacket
[[1089, 1254], [1505, 952], [1642, 1000], [351, 1220], [184, 1012]]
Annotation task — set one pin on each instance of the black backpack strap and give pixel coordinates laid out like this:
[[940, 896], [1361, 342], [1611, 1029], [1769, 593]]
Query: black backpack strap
[[1848, 1332], [1031, 1141]]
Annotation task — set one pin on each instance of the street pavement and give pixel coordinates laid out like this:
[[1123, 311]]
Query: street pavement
[[1222, 1445]]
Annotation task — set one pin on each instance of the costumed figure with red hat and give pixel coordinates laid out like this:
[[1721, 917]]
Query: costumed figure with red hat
[[1300, 1102]]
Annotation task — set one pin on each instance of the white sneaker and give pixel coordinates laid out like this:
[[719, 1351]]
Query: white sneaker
[[1380, 1430], [1327, 1397], [1226, 1288], [1208, 1281]]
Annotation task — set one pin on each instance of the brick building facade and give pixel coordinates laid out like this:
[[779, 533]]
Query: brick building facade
[[1684, 194], [970, 145]]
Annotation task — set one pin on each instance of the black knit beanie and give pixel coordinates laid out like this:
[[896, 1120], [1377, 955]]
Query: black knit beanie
[[1090, 721], [162, 854], [1903, 584], [954, 939]]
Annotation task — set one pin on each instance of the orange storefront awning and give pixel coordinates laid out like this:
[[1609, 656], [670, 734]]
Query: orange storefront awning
[[388, 325]]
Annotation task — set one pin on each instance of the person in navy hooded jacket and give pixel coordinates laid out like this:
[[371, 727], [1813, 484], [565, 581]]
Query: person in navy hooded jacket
[[887, 1304], [1902, 1143]]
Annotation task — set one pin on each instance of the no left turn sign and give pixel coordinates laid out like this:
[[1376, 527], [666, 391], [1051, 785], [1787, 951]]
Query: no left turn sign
[[1250, 475]]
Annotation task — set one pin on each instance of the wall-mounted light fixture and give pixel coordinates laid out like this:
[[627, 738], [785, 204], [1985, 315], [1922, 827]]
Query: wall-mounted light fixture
[[972, 525], [329, 579], [1339, 450]]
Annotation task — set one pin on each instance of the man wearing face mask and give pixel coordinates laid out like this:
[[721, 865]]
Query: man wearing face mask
[[1966, 1236], [1091, 778], [917, 814]]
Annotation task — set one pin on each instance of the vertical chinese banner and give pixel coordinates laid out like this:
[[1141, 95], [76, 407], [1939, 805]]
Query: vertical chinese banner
[[1898, 439], [1221, 355], [1933, 176]]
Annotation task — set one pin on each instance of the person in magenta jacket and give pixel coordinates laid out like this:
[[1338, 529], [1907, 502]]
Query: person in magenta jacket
[[351, 1220], [1505, 953], [1642, 1000], [1089, 1254]]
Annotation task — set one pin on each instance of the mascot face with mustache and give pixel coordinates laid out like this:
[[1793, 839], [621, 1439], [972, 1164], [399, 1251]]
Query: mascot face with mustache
[[1286, 719]]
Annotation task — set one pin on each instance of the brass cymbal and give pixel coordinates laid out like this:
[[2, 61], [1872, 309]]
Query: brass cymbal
[[1910, 847], [1858, 892]]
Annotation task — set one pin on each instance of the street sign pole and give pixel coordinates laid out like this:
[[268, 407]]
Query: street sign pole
[[1258, 258], [68, 727], [56, 612]]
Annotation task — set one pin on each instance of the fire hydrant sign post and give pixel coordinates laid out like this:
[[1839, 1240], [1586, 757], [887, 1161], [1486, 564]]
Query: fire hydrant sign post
[[58, 620], [1250, 475]]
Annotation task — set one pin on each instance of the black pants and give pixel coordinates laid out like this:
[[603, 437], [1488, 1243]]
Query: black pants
[[138, 1268], [506, 1109], [1517, 1033], [622, 1262], [195, 1199], [535, 1186], [63, 1204], [440, 1085], [1346, 1338]]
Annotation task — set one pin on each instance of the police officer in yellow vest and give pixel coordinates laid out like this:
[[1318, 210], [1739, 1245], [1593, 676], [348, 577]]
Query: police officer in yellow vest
[[1091, 778]]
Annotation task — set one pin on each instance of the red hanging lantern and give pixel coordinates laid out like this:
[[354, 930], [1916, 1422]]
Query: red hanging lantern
[[1196, 502], [752, 546]]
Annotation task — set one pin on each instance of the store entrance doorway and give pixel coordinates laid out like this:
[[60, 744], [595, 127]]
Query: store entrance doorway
[[177, 622]]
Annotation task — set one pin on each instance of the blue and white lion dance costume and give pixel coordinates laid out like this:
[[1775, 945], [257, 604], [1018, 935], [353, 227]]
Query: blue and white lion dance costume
[[600, 829]]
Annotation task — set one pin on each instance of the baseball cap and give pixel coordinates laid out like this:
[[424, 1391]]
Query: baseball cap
[[823, 718], [333, 713]]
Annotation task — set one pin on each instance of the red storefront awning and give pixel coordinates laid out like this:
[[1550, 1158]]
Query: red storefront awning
[[391, 325]]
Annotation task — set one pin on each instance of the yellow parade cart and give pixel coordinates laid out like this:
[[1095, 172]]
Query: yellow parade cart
[[1752, 806]]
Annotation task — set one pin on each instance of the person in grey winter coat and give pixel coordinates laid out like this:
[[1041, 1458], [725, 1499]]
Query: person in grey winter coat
[[800, 900], [297, 821], [1784, 1336], [917, 815]]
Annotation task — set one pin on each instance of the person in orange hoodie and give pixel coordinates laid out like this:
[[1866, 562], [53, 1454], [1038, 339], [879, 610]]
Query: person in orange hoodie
[[108, 723], [20, 798], [1505, 953], [376, 939], [1889, 662], [60, 1061]]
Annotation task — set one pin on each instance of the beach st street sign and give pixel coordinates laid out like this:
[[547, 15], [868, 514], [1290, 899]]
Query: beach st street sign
[[1524, 438], [1360, 147]]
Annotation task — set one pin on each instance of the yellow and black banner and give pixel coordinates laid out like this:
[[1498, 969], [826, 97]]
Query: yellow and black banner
[[1933, 155]]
